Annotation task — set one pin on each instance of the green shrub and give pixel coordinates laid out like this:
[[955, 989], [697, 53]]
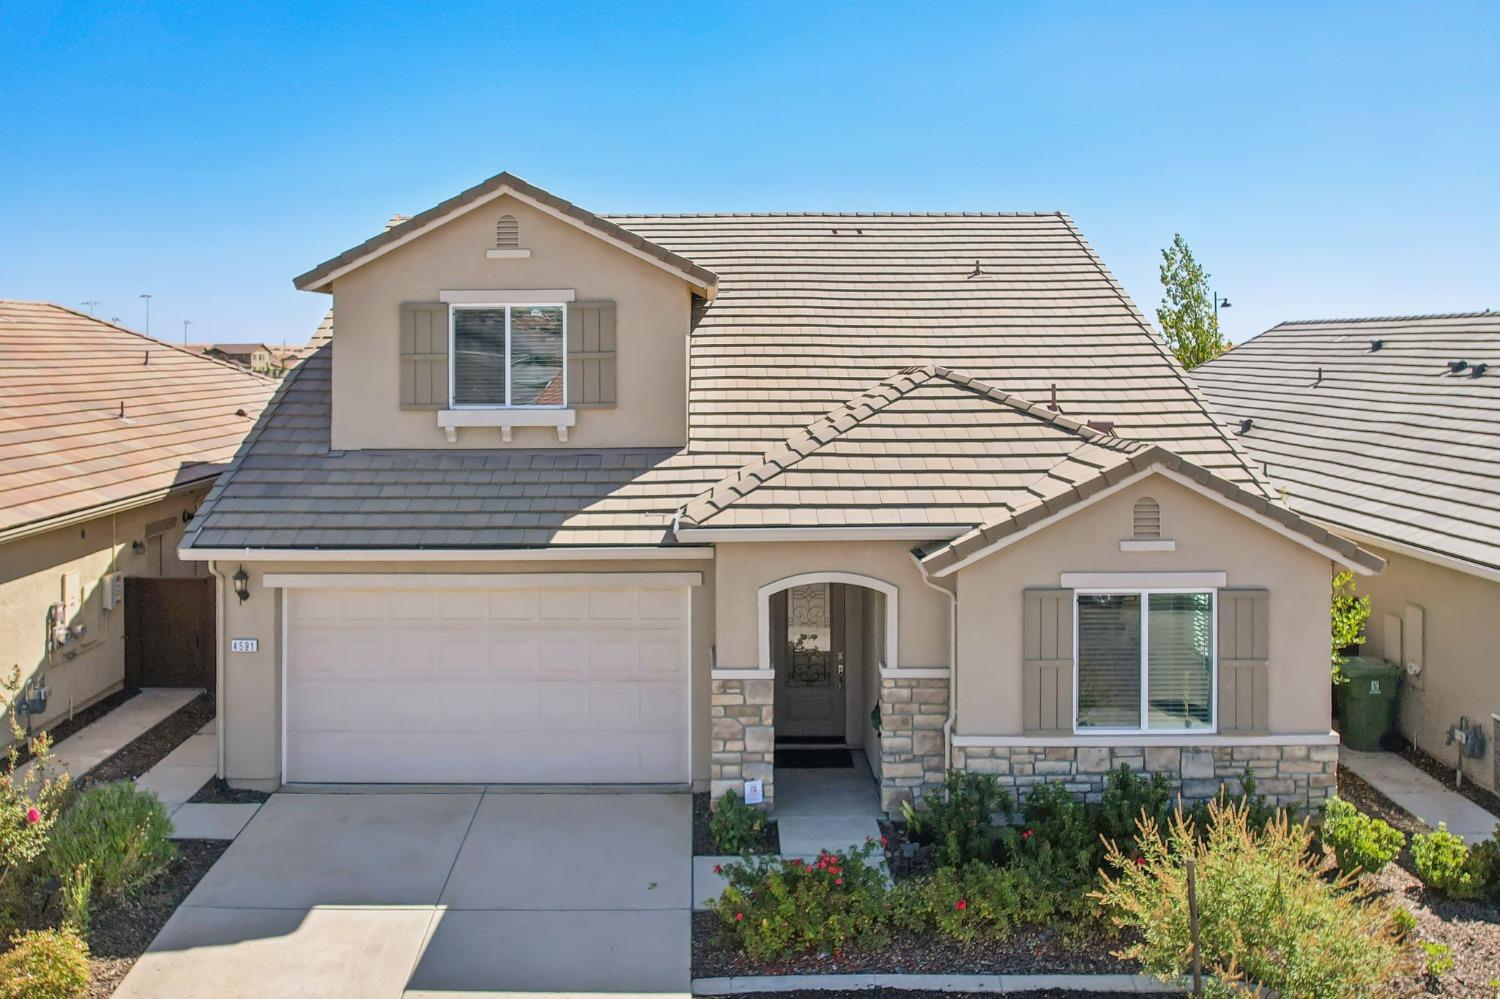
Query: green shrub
[[978, 900], [1484, 859], [1443, 863], [1403, 920], [1126, 799], [735, 826], [1266, 917], [1055, 844], [960, 819], [45, 964], [1360, 843], [29, 806], [114, 838], [774, 908], [1438, 957]]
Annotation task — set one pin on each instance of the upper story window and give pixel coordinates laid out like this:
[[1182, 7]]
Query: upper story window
[[509, 356], [1145, 661]]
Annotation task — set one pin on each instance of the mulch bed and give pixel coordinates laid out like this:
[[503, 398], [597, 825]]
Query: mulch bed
[[68, 726], [1025, 952], [1444, 773], [917, 994], [119, 934], [1471, 930], [218, 792], [150, 748], [703, 840]]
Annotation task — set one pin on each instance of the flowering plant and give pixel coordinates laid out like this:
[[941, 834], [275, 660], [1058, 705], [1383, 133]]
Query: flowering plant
[[30, 798], [774, 908]]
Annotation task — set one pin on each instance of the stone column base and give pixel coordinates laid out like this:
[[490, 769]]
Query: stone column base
[[743, 741], [912, 713]]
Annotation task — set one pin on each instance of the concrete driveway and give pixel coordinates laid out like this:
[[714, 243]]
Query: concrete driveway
[[428, 895]]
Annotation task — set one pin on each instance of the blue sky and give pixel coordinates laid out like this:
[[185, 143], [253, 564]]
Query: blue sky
[[1322, 159]]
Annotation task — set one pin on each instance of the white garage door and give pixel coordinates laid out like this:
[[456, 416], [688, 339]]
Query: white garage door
[[505, 681]]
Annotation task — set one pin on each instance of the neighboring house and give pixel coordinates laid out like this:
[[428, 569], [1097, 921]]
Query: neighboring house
[[108, 442], [255, 356], [574, 499], [1388, 431]]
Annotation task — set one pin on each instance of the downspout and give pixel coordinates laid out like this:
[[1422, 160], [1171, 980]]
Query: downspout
[[952, 719], [219, 701]]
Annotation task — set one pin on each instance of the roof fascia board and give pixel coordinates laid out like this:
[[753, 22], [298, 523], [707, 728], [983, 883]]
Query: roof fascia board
[[1477, 569], [1182, 480], [324, 283], [441, 555], [820, 533], [485, 580], [103, 510]]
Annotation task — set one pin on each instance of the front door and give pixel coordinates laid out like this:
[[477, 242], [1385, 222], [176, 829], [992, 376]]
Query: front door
[[808, 640]]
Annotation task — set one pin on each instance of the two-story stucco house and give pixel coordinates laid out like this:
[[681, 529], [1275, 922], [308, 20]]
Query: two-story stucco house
[[628, 500]]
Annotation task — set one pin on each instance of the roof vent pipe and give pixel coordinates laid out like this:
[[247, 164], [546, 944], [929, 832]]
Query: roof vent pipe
[[1053, 404], [1376, 344], [1457, 366], [1320, 378], [1479, 369]]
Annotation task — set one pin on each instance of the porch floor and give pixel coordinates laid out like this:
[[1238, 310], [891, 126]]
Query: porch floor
[[825, 808]]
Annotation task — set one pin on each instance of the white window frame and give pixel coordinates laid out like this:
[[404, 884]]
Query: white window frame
[[1213, 651], [454, 309]]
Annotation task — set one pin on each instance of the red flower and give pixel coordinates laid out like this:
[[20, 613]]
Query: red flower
[[838, 881], [1140, 861], [718, 869], [1027, 834], [739, 917], [33, 816], [884, 841], [961, 905]]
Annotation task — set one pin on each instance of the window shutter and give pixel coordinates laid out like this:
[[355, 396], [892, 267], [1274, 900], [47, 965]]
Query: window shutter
[[424, 355], [1047, 660], [591, 354], [1244, 657]]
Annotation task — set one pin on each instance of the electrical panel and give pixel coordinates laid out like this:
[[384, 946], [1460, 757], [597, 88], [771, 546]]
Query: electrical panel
[[112, 590]]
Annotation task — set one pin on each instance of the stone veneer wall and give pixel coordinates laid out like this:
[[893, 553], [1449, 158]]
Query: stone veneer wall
[[743, 741], [912, 713], [1290, 775]]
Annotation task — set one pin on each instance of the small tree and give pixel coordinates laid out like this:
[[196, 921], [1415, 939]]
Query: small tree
[[1186, 314], [1350, 612]]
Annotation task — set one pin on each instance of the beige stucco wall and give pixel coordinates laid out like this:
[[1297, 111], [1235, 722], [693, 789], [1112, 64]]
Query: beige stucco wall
[[743, 568], [1209, 537], [31, 580], [250, 708], [1461, 676], [652, 310]]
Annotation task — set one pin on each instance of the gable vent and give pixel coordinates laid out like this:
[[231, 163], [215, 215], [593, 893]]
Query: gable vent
[[507, 233], [1146, 519]]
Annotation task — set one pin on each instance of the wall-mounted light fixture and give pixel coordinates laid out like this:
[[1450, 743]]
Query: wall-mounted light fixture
[[242, 584]]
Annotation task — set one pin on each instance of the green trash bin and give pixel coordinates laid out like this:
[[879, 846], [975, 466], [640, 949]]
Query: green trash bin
[[1368, 701]]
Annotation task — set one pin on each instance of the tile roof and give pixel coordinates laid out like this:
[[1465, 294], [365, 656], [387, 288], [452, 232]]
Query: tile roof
[[65, 449], [812, 310], [1386, 442], [926, 447]]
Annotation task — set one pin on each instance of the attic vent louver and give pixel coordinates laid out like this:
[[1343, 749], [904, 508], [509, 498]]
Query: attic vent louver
[[1457, 366], [1376, 344], [507, 233], [1146, 519], [1246, 424]]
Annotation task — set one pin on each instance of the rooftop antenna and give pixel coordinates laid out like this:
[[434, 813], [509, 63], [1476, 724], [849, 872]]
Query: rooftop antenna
[[90, 304], [185, 324], [147, 296]]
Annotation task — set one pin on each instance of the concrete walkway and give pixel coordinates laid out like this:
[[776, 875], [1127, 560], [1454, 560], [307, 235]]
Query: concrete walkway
[[1419, 794], [179, 776], [826, 809], [106, 736], [415, 896]]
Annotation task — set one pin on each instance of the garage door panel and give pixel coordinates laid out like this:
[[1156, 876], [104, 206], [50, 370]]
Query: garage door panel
[[504, 685]]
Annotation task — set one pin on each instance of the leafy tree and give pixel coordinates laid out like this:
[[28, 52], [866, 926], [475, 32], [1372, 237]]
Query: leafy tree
[[1186, 314], [1349, 613]]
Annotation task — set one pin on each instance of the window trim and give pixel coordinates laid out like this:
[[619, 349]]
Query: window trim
[[1144, 593], [453, 310]]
